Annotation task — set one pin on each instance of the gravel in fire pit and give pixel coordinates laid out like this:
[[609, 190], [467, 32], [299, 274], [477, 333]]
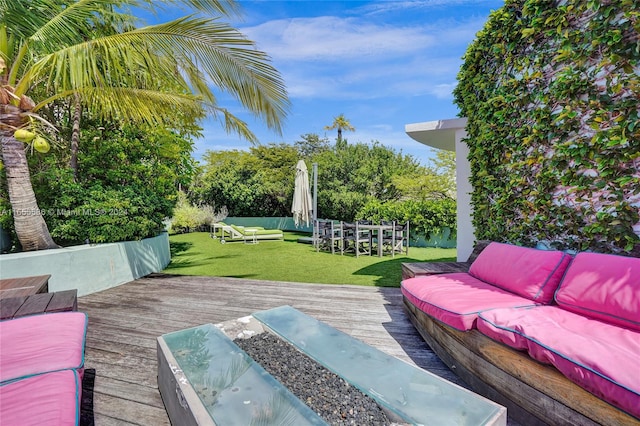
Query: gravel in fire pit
[[336, 401]]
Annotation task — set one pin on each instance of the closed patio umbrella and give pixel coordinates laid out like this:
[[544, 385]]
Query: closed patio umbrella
[[302, 203]]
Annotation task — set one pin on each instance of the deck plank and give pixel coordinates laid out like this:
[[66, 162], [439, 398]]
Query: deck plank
[[124, 322], [126, 411]]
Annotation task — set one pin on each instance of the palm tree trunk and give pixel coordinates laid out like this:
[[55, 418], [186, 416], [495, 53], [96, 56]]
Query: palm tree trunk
[[29, 223], [75, 137]]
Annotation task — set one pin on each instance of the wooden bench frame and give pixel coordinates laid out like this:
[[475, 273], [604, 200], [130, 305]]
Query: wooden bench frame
[[533, 393], [30, 296]]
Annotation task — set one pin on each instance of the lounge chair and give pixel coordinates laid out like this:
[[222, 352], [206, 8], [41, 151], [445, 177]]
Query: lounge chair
[[244, 233]]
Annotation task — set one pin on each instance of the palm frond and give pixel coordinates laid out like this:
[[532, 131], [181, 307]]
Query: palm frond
[[153, 108], [233, 124], [175, 65], [24, 17], [78, 22], [142, 106], [229, 8], [7, 45], [227, 58], [180, 53]]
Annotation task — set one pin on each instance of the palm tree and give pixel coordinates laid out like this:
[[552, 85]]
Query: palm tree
[[340, 123], [153, 74]]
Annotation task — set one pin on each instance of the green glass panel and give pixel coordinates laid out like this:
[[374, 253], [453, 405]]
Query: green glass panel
[[414, 394], [234, 389]]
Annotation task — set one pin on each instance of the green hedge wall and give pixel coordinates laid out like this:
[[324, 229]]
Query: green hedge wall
[[551, 90]]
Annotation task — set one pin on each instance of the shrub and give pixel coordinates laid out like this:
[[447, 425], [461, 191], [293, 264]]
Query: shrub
[[426, 218], [188, 217], [76, 212]]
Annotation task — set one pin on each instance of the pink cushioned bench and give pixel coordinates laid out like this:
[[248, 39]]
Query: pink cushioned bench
[[581, 315], [592, 335], [501, 276], [41, 343], [45, 399], [41, 366], [602, 358], [457, 299]]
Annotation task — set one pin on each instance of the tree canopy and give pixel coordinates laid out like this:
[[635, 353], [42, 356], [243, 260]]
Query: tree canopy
[[261, 182], [93, 54]]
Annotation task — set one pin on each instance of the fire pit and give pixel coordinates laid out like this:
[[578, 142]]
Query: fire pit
[[206, 379]]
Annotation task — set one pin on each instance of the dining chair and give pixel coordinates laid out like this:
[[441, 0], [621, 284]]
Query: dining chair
[[356, 239], [328, 236], [385, 235], [395, 238], [401, 238]]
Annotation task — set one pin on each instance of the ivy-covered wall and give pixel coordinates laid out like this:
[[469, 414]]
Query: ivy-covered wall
[[551, 90]]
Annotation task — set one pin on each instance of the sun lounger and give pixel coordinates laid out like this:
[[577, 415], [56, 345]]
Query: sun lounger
[[247, 234]]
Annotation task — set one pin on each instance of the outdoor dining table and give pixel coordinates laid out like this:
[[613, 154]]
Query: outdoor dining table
[[378, 230]]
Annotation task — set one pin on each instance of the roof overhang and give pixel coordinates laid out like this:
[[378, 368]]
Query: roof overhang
[[440, 134]]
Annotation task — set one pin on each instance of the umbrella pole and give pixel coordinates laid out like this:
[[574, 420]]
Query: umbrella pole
[[315, 192]]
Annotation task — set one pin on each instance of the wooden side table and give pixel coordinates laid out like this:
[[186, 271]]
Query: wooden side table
[[23, 287], [59, 301], [411, 270]]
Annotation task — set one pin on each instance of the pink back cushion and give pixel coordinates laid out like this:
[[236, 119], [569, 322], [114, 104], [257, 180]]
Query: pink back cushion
[[603, 286], [531, 273]]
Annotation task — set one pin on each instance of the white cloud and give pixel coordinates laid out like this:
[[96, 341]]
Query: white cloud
[[334, 39], [393, 6], [443, 91], [410, 77], [332, 57]]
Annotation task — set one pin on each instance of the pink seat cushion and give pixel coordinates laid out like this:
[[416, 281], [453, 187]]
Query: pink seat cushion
[[456, 299], [531, 273], [50, 399], [600, 357], [40, 343], [603, 286]]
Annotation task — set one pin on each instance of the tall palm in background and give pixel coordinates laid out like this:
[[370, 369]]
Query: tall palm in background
[[90, 53], [340, 123]]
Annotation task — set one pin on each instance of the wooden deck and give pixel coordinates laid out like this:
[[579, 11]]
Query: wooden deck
[[125, 321]]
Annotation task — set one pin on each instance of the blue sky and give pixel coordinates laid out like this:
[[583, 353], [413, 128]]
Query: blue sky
[[382, 64]]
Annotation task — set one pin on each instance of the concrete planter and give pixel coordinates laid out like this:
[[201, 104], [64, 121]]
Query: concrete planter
[[91, 268]]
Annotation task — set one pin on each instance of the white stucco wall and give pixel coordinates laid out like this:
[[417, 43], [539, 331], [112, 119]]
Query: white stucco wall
[[448, 134], [466, 232]]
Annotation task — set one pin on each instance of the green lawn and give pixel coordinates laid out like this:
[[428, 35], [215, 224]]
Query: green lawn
[[199, 254]]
